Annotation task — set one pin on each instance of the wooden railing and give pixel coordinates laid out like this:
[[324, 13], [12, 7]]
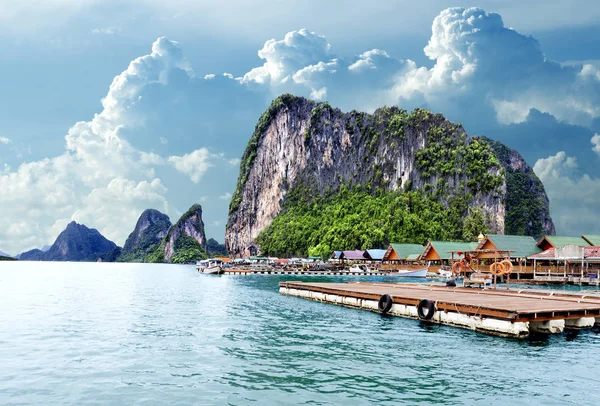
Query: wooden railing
[[435, 268]]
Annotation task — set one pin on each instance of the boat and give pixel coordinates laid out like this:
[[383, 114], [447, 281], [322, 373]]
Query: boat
[[212, 266], [359, 268], [420, 273], [445, 273]]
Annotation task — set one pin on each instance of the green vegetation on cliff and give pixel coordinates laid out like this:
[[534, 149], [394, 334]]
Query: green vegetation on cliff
[[526, 202], [356, 218], [187, 250], [3, 258], [215, 249]]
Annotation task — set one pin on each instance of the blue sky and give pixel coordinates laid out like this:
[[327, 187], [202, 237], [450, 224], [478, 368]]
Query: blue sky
[[108, 108]]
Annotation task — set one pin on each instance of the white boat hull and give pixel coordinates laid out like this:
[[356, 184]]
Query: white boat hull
[[212, 270], [421, 273]]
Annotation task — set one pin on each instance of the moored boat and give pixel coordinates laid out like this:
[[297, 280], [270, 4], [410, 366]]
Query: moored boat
[[420, 273], [210, 266], [360, 268]]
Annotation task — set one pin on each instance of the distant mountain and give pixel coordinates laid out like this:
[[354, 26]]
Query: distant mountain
[[46, 248], [31, 255], [150, 230], [4, 254], [215, 249], [185, 242], [78, 243]]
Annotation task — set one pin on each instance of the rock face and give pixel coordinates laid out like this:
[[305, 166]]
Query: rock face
[[78, 243], [185, 234], [215, 249], [300, 142], [150, 229], [527, 205], [32, 255]]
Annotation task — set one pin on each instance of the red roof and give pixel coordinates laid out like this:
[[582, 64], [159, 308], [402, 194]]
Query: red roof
[[588, 252]]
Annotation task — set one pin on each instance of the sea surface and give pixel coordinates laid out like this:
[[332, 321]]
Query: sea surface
[[96, 334]]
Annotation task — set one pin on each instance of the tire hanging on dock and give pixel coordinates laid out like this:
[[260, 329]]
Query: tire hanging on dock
[[425, 309], [385, 303]]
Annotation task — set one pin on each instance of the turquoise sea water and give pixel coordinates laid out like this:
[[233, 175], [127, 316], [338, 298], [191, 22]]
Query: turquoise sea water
[[85, 334]]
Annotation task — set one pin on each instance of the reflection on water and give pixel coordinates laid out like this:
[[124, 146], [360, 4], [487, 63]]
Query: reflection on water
[[157, 334]]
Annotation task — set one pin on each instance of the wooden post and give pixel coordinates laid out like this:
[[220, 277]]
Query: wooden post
[[508, 275], [494, 275]]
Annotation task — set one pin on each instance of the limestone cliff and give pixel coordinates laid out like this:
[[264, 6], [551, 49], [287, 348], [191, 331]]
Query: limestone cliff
[[150, 229], [298, 142], [186, 240]]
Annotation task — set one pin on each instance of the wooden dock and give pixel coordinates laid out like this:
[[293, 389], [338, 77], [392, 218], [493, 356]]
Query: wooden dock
[[275, 271], [513, 313]]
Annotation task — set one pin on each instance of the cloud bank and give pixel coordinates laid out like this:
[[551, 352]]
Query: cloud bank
[[491, 78], [101, 179]]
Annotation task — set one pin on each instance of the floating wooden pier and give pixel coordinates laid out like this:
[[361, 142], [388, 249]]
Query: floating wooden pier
[[512, 313], [303, 272]]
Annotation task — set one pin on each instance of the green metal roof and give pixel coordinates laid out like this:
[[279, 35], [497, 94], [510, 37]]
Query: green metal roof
[[592, 239], [522, 245], [559, 241], [413, 257], [442, 247], [404, 250]]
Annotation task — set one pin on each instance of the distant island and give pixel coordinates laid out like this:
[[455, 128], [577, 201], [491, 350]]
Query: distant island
[[154, 239]]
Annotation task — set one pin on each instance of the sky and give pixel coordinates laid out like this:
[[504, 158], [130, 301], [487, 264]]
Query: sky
[[111, 107]]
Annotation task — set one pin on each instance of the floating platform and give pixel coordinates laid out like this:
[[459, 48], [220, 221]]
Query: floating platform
[[511, 313]]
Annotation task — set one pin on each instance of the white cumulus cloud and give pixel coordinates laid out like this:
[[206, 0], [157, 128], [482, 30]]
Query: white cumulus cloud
[[596, 142], [283, 58], [4, 140], [195, 164], [107, 30], [481, 67], [574, 199], [101, 179]]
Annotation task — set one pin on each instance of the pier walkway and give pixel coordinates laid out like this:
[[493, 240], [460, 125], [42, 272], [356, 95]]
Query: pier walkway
[[502, 312]]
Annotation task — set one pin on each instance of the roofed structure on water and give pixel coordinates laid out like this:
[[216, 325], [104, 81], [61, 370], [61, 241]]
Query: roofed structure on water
[[355, 255], [337, 255], [518, 246], [400, 252], [556, 241], [374, 255], [568, 252], [442, 250]]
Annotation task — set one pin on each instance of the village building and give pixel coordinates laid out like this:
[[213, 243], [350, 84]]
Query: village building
[[374, 255], [497, 246], [400, 252], [354, 255], [579, 264], [555, 241], [444, 251]]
